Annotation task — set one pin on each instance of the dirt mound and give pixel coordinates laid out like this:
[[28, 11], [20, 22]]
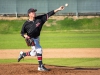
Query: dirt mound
[[31, 69]]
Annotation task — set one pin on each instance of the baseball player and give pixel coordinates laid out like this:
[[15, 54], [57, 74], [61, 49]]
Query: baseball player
[[31, 30]]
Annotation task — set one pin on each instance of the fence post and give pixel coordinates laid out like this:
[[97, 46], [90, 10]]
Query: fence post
[[16, 15], [16, 10], [76, 8]]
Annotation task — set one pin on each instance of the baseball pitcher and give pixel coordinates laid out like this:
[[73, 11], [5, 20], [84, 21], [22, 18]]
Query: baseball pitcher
[[31, 31]]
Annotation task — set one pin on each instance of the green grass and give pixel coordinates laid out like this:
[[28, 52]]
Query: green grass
[[67, 33], [58, 39], [71, 24], [14, 26], [80, 24], [70, 40], [75, 62], [12, 41]]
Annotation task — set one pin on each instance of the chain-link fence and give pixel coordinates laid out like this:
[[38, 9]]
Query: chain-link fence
[[76, 7]]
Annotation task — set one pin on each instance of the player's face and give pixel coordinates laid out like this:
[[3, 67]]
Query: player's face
[[32, 14]]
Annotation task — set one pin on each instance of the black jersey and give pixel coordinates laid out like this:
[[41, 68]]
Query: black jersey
[[33, 28]]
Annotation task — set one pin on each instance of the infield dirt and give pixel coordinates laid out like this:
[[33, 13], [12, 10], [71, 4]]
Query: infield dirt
[[31, 69], [55, 53]]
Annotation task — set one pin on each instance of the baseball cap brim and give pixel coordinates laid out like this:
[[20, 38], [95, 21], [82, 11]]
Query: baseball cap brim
[[31, 10]]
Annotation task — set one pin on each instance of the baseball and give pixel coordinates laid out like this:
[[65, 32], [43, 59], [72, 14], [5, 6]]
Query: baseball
[[66, 4]]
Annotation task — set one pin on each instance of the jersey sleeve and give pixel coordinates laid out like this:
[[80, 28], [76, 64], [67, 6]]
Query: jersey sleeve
[[23, 31], [45, 17], [49, 14]]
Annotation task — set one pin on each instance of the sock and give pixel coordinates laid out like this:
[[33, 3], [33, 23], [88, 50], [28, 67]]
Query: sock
[[27, 53], [39, 57]]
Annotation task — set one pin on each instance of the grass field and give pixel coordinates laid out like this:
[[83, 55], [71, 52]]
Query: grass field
[[14, 26], [67, 33], [75, 62], [58, 39]]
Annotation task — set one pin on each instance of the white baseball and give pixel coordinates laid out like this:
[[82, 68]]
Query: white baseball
[[66, 4]]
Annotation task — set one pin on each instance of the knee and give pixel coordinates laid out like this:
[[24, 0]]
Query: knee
[[39, 50], [33, 51]]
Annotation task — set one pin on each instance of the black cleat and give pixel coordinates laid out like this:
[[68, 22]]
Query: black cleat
[[21, 56], [42, 68]]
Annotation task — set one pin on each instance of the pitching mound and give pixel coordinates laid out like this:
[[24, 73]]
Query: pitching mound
[[31, 69]]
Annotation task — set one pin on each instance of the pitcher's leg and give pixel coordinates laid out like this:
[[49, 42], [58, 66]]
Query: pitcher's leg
[[29, 53], [23, 54], [39, 56], [38, 51], [33, 51]]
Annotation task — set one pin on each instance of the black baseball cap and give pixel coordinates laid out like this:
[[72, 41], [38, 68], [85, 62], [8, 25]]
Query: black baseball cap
[[31, 10]]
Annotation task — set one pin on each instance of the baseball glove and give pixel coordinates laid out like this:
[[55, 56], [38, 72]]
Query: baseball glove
[[29, 42]]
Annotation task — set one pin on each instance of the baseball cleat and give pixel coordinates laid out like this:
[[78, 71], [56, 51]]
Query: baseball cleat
[[21, 56], [42, 68]]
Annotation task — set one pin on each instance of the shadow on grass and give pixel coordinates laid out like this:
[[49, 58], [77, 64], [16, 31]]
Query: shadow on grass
[[75, 68]]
